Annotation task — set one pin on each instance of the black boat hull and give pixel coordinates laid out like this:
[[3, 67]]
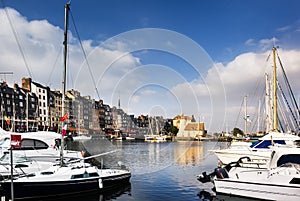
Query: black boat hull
[[29, 190]]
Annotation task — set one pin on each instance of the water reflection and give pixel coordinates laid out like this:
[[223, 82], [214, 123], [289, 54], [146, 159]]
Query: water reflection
[[111, 194], [211, 196], [189, 153], [160, 171]]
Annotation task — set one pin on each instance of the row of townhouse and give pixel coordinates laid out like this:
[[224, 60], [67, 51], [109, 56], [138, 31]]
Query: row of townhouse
[[34, 107]]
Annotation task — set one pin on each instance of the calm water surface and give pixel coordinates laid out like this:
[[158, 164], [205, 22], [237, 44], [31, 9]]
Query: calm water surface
[[160, 171]]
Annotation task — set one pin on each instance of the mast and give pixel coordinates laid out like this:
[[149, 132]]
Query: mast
[[246, 117], [275, 113], [67, 8]]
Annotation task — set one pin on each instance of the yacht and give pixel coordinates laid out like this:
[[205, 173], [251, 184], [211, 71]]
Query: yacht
[[279, 181], [259, 152]]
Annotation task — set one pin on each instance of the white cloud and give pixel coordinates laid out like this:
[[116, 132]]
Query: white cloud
[[250, 42], [267, 43], [285, 28]]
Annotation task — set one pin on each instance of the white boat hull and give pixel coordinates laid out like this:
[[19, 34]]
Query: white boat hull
[[258, 190], [228, 156]]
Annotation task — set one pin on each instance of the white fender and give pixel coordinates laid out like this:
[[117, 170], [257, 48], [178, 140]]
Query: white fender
[[100, 183]]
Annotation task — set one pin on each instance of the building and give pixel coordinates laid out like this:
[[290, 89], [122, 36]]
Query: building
[[42, 93], [188, 128], [55, 106], [18, 108]]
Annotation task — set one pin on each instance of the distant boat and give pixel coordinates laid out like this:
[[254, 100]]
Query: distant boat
[[155, 137], [82, 138]]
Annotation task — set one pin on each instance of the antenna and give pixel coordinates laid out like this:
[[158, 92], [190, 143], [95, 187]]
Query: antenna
[[6, 73]]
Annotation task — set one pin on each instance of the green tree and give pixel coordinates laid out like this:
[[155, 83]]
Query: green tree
[[173, 130], [237, 131]]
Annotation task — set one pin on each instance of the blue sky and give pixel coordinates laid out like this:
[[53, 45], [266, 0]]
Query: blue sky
[[166, 70], [221, 27]]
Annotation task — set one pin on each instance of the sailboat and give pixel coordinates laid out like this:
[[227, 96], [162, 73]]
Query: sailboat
[[260, 151], [153, 137], [64, 178]]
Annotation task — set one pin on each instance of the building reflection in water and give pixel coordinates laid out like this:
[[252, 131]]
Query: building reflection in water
[[189, 153]]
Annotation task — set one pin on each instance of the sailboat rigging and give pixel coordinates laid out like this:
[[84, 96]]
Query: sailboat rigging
[[260, 150]]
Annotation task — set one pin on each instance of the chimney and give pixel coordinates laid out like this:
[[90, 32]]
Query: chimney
[[26, 83]]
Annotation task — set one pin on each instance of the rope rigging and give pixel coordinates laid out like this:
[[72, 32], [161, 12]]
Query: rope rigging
[[17, 40], [84, 54], [287, 103], [294, 102]]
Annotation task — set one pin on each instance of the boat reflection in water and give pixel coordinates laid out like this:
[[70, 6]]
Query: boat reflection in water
[[206, 195], [111, 194]]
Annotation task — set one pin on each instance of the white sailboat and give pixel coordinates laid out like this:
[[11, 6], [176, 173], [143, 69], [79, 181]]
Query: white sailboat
[[260, 151], [65, 178]]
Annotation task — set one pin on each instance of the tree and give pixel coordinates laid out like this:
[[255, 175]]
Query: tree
[[170, 128], [237, 131], [173, 130]]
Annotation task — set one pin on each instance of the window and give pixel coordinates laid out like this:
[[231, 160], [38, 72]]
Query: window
[[21, 104], [30, 144]]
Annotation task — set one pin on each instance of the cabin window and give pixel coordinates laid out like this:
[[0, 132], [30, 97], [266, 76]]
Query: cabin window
[[94, 174], [290, 158], [77, 176], [47, 173], [28, 144], [295, 181], [85, 175], [265, 143]]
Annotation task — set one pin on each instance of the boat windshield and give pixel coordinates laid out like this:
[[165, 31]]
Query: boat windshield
[[265, 143], [5, 143], [289, 158], [16, 158]]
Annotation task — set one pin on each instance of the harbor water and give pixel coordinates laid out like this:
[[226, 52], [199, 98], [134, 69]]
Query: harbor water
[[160, 171]]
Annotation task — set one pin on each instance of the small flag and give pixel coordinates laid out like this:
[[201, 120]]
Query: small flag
[[7, 120], [65, 117], [64, 130], [15, 141]]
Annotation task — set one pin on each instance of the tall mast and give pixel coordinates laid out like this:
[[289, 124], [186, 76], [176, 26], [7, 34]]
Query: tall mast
[[67, 8], [246, 117], [275, 114]]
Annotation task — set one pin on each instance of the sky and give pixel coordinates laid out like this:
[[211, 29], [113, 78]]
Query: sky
[[194, 57]]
